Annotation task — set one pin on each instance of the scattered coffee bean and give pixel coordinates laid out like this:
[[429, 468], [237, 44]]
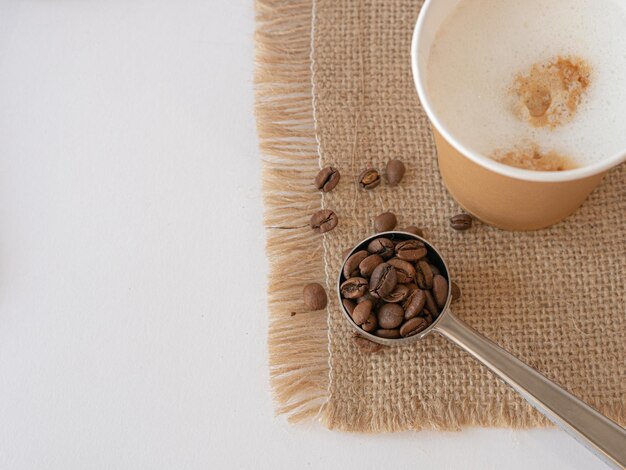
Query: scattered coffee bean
[[383, 280], [324, 221], [414, 304], [351, 266], [424, 275], [349, 305], [390, 316], [314, 297], [389, 334], [461, 222], [369, 179], [327, 179], [405, 271], [365, 345], [411, 250], [456, 291], [354, 288], [413, 326], [362, 312], [381, 246], [440, 290], [370, 324], [367, 266], [385, 222], [414, 230], [395, 171]]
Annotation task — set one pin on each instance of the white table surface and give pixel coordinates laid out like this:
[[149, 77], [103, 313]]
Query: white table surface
[[132, 270]]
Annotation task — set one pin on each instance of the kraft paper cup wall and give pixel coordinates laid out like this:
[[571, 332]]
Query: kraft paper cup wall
[[503, 196]]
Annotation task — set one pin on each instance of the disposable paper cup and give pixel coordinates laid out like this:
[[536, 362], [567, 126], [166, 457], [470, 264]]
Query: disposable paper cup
[[500, 195]]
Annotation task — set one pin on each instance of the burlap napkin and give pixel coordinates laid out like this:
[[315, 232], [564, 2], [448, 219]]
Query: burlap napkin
[[334, 86]]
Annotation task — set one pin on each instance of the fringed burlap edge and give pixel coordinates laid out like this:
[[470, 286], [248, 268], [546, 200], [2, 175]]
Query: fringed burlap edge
[[297, 340]]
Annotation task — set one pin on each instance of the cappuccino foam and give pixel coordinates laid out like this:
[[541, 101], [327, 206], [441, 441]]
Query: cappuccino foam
[[485, 46]]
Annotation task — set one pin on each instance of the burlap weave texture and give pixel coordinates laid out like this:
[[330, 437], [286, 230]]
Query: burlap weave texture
[[555, 298]]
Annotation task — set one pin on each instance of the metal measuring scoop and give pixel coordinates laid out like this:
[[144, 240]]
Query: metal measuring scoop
[[603, 437]]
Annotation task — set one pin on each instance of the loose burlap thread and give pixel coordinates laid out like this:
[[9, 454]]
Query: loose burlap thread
[[338, 71]]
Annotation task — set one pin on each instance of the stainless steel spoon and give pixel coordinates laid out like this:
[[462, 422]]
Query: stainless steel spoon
[[602, 436]]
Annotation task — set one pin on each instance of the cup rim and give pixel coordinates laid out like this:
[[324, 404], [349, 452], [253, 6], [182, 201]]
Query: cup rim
[[482, 160]]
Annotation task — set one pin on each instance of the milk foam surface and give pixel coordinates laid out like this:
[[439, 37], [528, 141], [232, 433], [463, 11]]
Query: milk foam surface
[[484, 44]]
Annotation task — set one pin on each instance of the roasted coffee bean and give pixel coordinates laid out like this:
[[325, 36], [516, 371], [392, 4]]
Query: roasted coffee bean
[[431, 305], [387, 333], [370, 324], [368, 264], [424, 275], [413, 326], [414, 230], [383, 280], [397, 295], [395, 171], [349, 305], [381, 246], [411, 250], [362, 312], [324, 221], [327, 179], [314, 297], [412, 288], [456, 291], [351, 266], [369, 179], [414, 304], [440, 290], [365, 345], [385, 222], [354, 288], [390, 316], [404, 270], [461, 222], [434, 269]]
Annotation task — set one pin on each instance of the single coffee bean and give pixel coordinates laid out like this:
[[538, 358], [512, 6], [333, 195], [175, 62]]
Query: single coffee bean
[[351, 267], [434, 269], [324, 221], [440, 290], [314, 297], [381, 246], [368, 264], [431, 305], [456, 291], [411, 250], [370, 324], [369, 179], [397, 295], [383, 280], [349, 305], [385, 222], [413, 326], [387, 333], [354, 288], [461, 222], [362, 312], [327, 179], [404, 270], [365, 345], [424, 275], [414, 230], [395, 171], [390, 316], [414, 304]]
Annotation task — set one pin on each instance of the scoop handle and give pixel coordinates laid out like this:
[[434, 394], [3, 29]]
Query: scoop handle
[[603, 437]]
